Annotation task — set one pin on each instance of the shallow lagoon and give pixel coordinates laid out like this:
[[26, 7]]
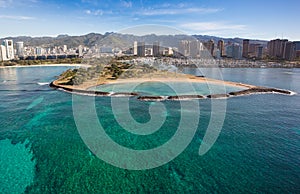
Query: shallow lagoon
[[167, 88]]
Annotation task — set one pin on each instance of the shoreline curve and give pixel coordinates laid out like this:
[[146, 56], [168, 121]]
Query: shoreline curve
[[250, 90]]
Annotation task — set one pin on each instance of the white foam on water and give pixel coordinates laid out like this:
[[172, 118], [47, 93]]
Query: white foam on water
[[43, 83]]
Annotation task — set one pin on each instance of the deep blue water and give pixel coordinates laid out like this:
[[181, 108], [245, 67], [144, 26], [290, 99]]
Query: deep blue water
[[258, 149]]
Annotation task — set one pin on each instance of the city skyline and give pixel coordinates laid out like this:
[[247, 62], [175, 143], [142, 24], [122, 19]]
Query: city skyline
[[229, 19]]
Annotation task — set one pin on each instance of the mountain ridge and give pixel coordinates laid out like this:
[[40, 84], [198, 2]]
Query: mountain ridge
[[91, 39]]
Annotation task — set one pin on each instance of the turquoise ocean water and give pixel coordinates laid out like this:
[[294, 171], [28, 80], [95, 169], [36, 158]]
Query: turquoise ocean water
[[166, 88], [41, 150]]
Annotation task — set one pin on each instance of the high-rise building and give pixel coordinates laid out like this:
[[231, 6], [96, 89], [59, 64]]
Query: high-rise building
[[245, 48], [65, 48], [260, 52], [20, 49], [237, 51], [217, 53], [141, 49], [9, 49], [194, 48], [221, 47], [184, 48], [210, 46], [276, 48], [229, 51], [191, 48], [281, 49], [135, 45], [3, 53], [38, 51], [156, 51], [289, 51], [253, 48], [297, 43], [80, 51], [234, 51]]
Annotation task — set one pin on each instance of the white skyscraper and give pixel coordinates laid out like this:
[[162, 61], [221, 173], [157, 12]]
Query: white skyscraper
[[9, 49], [184, 48], [135, 48], [20, 49], [65, 48], [3, 53], [39, 51], [80, 51]]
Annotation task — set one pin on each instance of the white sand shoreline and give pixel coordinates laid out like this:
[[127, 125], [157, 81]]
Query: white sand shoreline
[[48, 65]]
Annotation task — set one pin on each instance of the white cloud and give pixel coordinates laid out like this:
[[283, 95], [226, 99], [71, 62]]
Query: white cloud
[[175, 11], [127, 4], [16, 17], [218, 28], [212, 26], [16, 3], [95, 12]]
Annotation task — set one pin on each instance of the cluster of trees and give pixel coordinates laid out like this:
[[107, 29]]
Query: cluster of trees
[[111, 71], [41, 62], [81, 75], [78, 76], [139, 71], [116, 69]]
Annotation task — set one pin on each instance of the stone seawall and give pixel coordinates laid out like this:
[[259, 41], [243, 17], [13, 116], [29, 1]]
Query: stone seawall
[[254, 90]]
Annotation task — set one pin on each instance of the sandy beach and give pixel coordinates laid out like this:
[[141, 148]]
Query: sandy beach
[[182, 78]]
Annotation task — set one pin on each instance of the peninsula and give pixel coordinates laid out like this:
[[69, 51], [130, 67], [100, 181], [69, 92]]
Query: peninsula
[[82, 80]]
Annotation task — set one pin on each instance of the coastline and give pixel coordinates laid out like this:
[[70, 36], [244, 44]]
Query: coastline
[[186, 78], [48, 65], [246, 89]]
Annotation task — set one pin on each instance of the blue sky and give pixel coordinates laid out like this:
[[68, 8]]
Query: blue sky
[[255, 19]]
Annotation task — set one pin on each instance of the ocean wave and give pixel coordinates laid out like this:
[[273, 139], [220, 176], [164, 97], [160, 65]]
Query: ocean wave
[[43, 83], [8, 80]]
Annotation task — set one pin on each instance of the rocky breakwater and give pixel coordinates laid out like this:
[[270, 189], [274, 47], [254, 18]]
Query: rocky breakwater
[[123, 94], [257, 90], [78, 91], [185, 97], [218, 96], [151, 98]]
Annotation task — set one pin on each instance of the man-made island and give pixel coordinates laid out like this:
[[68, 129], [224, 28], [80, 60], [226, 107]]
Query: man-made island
[[84, 81]]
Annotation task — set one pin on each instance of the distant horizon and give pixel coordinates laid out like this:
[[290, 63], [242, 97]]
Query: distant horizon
[[261, 20], [84, 34]]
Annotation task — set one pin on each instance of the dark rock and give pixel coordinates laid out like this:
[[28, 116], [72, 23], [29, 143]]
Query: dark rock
[[150, 98], [218, 96], [78, 91], [125, 94], [185, 97], [259, 90]]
